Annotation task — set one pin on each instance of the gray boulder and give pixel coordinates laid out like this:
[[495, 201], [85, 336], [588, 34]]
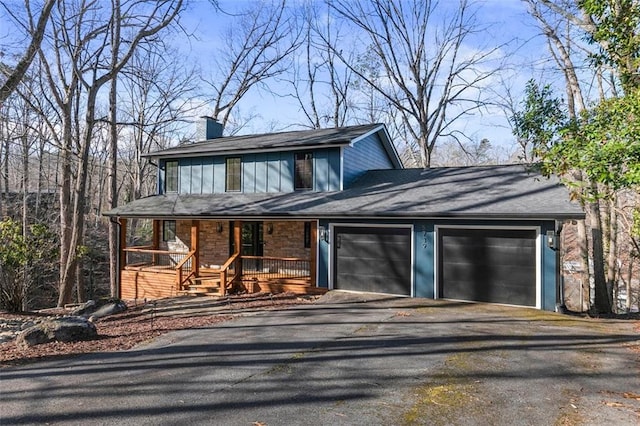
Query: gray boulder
[[65, 329], [113, 307], [94, 310]]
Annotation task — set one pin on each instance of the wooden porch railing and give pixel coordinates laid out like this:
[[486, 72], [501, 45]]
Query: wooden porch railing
[[266, 268], [185, 270], [148, 259]]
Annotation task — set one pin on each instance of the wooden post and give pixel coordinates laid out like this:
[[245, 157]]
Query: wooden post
[[195, 246], [237, 241], [122, 256], [155, 244], [313, 255], [157, 230]]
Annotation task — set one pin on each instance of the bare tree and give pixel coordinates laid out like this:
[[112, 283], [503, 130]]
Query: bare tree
[[425, 72], [321, 83], [36, 30], [78, 60], [258, 45]]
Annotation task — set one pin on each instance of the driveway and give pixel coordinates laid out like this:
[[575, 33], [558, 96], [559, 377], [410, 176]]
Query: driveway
[[387, 361]]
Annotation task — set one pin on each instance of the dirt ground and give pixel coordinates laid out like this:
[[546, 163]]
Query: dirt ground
[[142, 322]]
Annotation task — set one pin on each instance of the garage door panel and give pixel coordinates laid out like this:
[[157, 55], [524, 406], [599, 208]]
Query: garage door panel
[[373, 259], [488, 265]]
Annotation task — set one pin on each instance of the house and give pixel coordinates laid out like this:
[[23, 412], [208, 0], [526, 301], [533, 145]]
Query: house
[[312, 210]]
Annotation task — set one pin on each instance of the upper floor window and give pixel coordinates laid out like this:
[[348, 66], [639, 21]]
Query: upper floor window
[[233, 174], [171, 176], [303, 171]]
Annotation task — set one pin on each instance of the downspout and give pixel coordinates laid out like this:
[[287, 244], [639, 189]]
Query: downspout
[[115, 221]]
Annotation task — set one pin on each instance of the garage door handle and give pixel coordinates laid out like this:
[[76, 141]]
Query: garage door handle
[[338, 241]]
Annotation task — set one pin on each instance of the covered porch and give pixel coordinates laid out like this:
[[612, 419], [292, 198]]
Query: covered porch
[[216, 257]]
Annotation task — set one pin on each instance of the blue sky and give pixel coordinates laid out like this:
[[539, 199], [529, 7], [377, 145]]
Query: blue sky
[[507, 24]]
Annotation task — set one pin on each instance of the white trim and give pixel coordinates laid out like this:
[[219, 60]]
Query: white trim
[[365, 135], [317, 222], [331, 266], [341, 168], [539, 240]]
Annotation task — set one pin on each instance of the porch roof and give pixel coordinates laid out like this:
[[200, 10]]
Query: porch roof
[[509, 192]]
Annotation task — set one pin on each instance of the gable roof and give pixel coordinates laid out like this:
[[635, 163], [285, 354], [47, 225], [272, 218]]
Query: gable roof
[[492, 192], [297, 139]]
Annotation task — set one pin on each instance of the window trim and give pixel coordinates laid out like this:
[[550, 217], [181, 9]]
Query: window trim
[[176, 179], [227, 175], [306, 156]]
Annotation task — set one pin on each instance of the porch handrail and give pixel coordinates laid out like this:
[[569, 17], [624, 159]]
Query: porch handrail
[[224, 273], [287, 259], [148, 249], [180, 267]]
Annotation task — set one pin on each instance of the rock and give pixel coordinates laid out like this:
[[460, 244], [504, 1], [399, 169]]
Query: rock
[[65, 329], [110, 308], [86, 309]]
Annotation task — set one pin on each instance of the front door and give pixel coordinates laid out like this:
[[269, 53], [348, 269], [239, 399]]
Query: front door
[[252, 245]]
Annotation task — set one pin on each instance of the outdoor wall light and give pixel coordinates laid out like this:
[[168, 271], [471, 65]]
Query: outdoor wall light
[[552, 240], [269, 228], [219, 227], [323, 233]]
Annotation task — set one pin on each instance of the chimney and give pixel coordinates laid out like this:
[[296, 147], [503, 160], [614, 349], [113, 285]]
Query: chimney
[[209, 128]]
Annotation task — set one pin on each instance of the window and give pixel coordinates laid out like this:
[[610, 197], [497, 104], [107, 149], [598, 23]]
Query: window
[[233, 174], [303, 171], [171, 176], [168, 230], [307, 235]]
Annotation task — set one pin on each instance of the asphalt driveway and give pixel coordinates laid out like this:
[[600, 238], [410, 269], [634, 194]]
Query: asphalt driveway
[[389, 361]]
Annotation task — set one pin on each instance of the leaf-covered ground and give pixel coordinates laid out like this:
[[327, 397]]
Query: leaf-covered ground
[[136, 325]]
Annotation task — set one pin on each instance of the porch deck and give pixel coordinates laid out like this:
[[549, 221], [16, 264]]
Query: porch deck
[[167, 274]]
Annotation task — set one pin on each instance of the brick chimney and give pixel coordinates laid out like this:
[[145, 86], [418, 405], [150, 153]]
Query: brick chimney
[[209, 128]]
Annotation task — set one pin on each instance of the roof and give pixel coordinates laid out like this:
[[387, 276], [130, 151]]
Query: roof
[[508, 192], [299, 139]]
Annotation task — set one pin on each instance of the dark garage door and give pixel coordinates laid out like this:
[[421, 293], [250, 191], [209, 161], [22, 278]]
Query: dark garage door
[[488, 265], [372, 259]]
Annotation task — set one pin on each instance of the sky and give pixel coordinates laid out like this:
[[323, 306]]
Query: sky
[[507, 24]]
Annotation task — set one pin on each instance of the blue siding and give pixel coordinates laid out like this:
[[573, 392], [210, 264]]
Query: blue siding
[[218, 174], [321, 169], [248, 173], [184, 176], [261, 173], [196, 176], [272, 172], [207, 175], [366, 154], [424, 272], [286, 172]]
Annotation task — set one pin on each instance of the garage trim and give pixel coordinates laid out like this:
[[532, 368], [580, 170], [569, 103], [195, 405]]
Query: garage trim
[[331, 251], [538, 243]]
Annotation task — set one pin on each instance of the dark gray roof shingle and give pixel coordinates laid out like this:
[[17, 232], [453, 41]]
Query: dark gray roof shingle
[[509, 192], [271, 141]]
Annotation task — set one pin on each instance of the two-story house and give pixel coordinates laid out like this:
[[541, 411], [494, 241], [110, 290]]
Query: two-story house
[[313, 210]]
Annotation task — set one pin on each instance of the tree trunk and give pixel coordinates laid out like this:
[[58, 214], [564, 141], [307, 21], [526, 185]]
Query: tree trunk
[[612, 255], [602, 301]]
